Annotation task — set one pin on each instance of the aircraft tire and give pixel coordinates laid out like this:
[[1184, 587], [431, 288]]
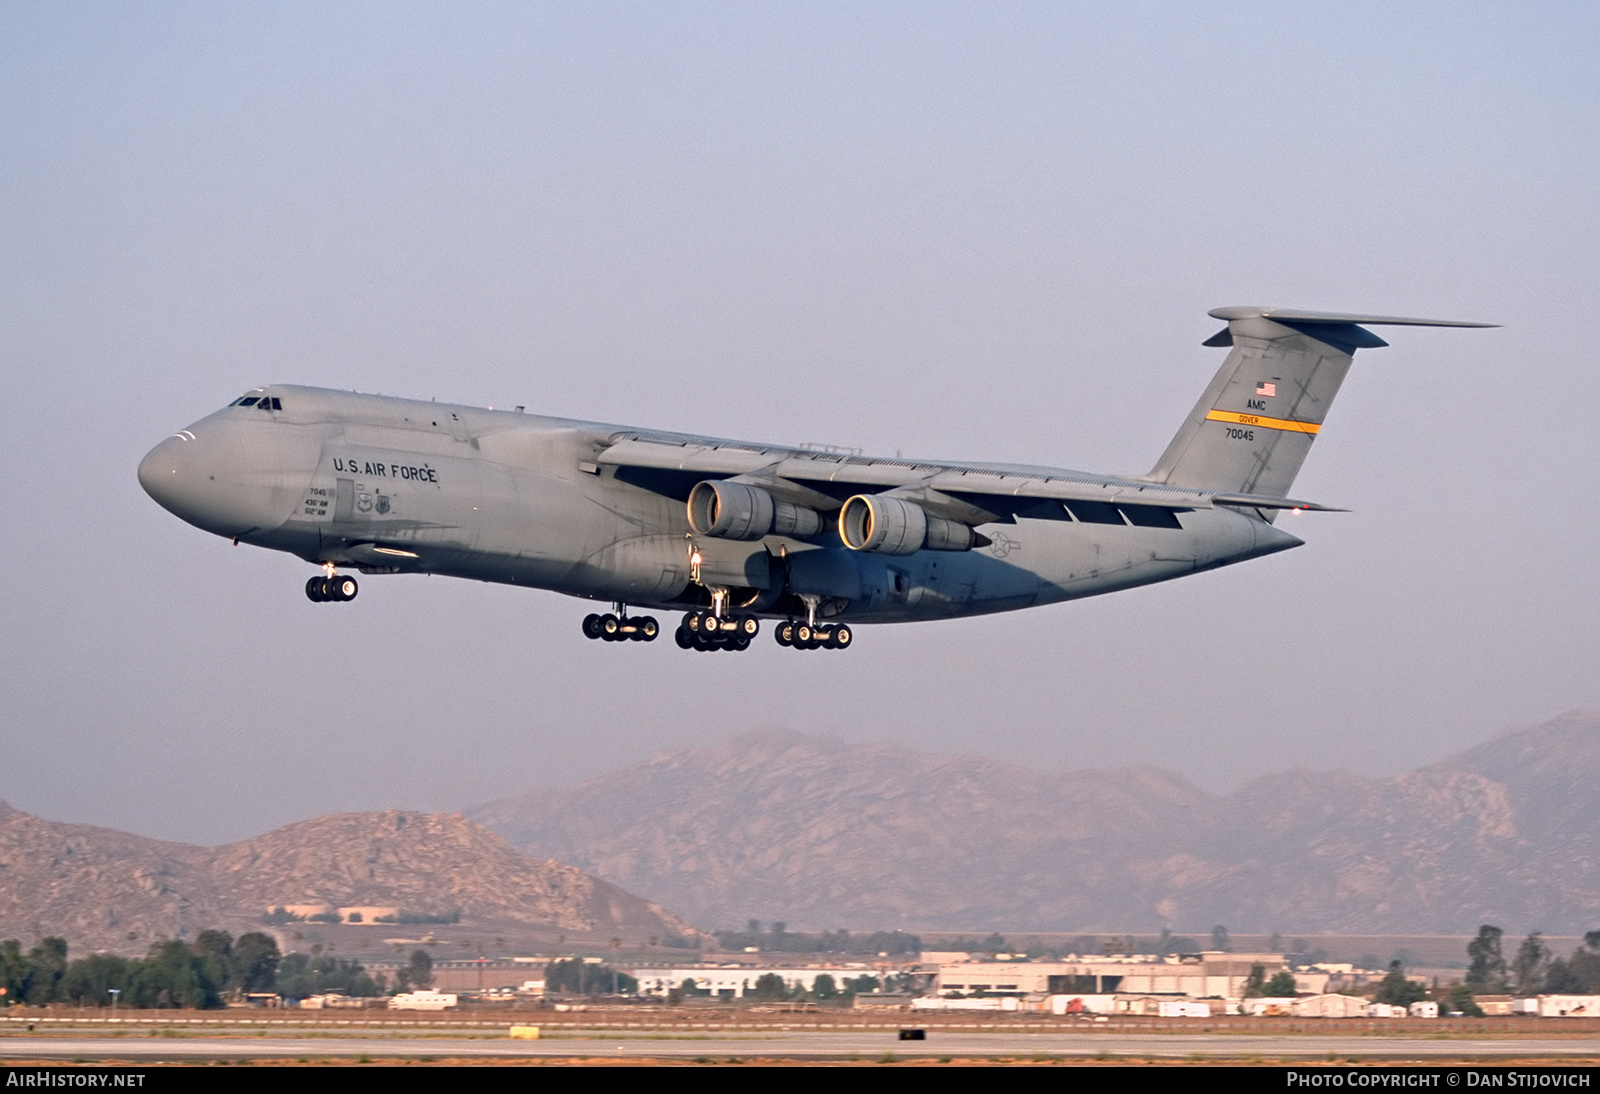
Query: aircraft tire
[[591, 625], [345, 588], [610, 627], [784, 633], [841, 638], [683, 638], [749, 626], [739, 642], [804, 634], [649, 629], [314, 590]]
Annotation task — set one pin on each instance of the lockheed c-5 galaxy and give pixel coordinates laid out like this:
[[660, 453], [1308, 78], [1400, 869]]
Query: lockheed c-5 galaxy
[[730, 532]]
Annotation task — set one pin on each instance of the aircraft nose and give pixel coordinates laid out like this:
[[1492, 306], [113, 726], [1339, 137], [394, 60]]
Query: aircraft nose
[[167, 471], [230, 476]]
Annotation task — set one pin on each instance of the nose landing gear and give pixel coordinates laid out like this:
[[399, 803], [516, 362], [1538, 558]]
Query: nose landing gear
[[332, 588], [619, 626]]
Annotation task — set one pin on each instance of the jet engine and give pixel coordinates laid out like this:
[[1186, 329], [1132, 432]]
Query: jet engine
[[891, 526], [734, 510]]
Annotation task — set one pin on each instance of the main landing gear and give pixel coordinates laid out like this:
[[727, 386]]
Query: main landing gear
[[708, 631], [331, 589], [803, 635], [619, 626]]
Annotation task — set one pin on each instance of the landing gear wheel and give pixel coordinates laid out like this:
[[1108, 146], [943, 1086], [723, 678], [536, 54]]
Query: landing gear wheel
[[610, 627], [648, 629], [591, 625], [314, 590], [344, 588], [804, 635], [784, 633], [683, 638], [749, 626], [842, 637], [739, 642]]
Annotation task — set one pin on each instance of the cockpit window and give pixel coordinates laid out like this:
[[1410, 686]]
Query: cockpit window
[[260, 402], [248, 400]]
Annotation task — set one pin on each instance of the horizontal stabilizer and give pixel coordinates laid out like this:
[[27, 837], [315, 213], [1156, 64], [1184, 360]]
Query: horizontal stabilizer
[[1295, 315], [1252, 427]]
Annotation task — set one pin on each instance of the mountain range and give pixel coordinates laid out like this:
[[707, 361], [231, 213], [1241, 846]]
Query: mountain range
[[107, 890], [826, 834]]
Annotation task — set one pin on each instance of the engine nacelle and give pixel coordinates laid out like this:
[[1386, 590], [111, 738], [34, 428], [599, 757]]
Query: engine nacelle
[[891, 526], [735, 510]]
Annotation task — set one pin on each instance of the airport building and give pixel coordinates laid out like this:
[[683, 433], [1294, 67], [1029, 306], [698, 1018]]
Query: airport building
[[1197, 975]]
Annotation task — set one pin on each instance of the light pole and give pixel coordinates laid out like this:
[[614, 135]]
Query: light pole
[[114, 993]]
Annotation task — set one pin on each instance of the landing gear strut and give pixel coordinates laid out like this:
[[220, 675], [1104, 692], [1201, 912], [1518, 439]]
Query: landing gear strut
[[331, 588], [708, 630], [802, 635], [808, 635], [619, 626]]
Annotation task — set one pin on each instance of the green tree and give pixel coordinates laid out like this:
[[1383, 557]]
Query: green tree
[[1397, 990], [577, 977], [1219, 938], [89, 980], [824, 986], [45, 965], [770, 987], [1281, 986], [1486, 971], [215, 950], [13, 972], [1460, 999], [172, 975], [861, 985], [255, 963], [303, 975], [1561, 978], [1533, 957], [420, 970], [1256, 983]]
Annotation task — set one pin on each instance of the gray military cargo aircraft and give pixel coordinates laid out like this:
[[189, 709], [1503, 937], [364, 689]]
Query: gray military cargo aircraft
[[731, 532]]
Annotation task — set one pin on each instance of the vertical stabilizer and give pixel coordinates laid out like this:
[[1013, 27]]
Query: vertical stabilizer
[[1251, 430]]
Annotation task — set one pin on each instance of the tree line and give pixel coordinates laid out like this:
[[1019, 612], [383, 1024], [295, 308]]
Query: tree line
[[202, 974], [1534, 968]]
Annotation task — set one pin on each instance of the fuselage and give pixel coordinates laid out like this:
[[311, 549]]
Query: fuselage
[[389, 485]]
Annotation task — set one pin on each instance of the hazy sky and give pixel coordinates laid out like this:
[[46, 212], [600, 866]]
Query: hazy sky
[[982, 231]]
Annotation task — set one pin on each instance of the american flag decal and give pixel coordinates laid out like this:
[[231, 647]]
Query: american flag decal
[[1267, 388]]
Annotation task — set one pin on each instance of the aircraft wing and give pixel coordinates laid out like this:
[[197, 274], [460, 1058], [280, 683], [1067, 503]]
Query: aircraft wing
[[672, 464]]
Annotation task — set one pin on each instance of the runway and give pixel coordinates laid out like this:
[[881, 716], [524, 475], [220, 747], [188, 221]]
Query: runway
[[596, 1046]]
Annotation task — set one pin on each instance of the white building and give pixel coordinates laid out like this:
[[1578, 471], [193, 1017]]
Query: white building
[[1201, 975], [427, 999], [737, 981]]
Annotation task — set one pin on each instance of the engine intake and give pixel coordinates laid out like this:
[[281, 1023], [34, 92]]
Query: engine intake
[[735, 510], [891, 526]]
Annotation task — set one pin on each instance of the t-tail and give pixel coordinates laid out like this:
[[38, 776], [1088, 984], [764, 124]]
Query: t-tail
[[1251, 430]]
